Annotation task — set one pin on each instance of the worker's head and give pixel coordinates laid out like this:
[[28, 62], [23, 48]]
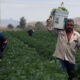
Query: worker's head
[[69, 25]]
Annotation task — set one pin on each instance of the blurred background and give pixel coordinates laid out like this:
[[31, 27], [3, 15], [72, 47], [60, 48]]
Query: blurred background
[[11, 11]]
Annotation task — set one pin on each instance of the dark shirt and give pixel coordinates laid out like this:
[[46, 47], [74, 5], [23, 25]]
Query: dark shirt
[[30, 32], [3, 41], [2, 38]]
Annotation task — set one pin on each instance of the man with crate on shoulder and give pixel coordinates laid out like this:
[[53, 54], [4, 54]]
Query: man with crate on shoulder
[[67, 42]]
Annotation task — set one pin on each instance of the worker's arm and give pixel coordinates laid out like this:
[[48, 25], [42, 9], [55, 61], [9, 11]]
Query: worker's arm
[[4, 44], [50, 27]]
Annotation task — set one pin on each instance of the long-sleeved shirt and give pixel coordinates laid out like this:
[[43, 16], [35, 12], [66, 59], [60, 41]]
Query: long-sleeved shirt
[[66, 50]]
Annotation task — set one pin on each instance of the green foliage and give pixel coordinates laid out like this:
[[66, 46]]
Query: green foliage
[[30, 58], [62, 8], [22, 23], [10, 26]]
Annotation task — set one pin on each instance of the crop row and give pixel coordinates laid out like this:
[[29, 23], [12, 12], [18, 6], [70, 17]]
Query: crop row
[[44, 45], [21, 60]]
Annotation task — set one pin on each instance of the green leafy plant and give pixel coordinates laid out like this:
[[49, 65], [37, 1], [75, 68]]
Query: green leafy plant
[[30, 58], [62, 8]]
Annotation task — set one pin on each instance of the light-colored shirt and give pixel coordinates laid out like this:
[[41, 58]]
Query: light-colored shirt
[[66, 50]]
